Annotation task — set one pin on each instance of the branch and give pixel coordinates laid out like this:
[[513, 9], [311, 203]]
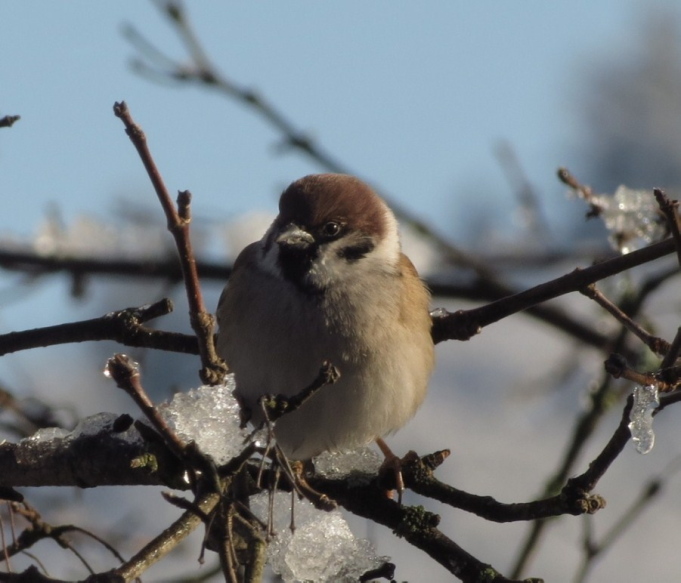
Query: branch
[[123, 326], [478, 291], [167, 540], [40, 530], [8, 121], [276, 406], [657, 345], [126, 375], [585, 425], [674, 351], [36, 264], [202, 322], [413, 523], [584, 192], [462, 325], [106, 458], [418, 477], [666, 379], [533, 216], [594, 549]]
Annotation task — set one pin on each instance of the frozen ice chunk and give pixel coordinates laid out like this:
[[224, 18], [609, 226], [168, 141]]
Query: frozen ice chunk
[[208, 416], [322, 548], [632, 217], [439, 313], [646, 400], [47, 434], [336, 464], [92, 425]]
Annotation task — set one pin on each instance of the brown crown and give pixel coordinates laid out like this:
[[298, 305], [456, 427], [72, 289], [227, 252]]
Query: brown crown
[[318, 198]]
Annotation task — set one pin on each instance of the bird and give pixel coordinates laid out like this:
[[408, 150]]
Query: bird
[[328, 282]]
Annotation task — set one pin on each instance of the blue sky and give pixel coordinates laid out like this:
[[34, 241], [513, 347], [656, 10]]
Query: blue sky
[[413, 98]]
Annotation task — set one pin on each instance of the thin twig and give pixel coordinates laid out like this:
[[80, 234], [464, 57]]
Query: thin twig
[[584, 427], [276, 406], [225, 543], [674, 350], [41, 530], [584, 192], [658, 345], [8, 121], [202, 322], [126, 375], [418, 477], [536, 222], [669, 209], [666, 379], [649, 492], [167, 540]]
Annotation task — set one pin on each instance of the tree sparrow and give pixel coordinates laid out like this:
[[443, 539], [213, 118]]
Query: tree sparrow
[[328, 281]]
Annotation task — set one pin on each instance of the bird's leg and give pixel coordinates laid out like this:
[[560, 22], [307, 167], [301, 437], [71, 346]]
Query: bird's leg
[[392, 469]]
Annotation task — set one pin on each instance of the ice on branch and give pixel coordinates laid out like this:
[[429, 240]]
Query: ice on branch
[[646, 400], [362, 461], [631, 216], [89, 426], [47, 434], [208, 416], [321, 549]]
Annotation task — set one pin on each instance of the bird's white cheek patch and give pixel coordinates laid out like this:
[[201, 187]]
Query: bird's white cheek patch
[[388, 250]]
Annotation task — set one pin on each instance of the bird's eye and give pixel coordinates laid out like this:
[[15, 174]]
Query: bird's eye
[[331, 229]]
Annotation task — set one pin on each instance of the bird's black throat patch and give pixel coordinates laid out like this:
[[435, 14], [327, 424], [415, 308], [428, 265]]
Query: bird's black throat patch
[[295, 265]]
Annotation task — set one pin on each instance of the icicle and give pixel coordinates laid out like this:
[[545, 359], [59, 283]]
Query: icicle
[[646, 400]]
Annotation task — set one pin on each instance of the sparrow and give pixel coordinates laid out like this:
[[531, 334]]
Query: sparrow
[[328, 282]]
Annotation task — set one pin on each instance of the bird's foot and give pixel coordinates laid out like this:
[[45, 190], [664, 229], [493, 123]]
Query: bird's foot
[[390, 472]]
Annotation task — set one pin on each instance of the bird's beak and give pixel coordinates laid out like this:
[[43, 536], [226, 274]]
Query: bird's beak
[[294, 238]]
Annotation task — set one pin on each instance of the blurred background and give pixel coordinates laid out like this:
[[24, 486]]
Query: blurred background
[[459, 113]]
